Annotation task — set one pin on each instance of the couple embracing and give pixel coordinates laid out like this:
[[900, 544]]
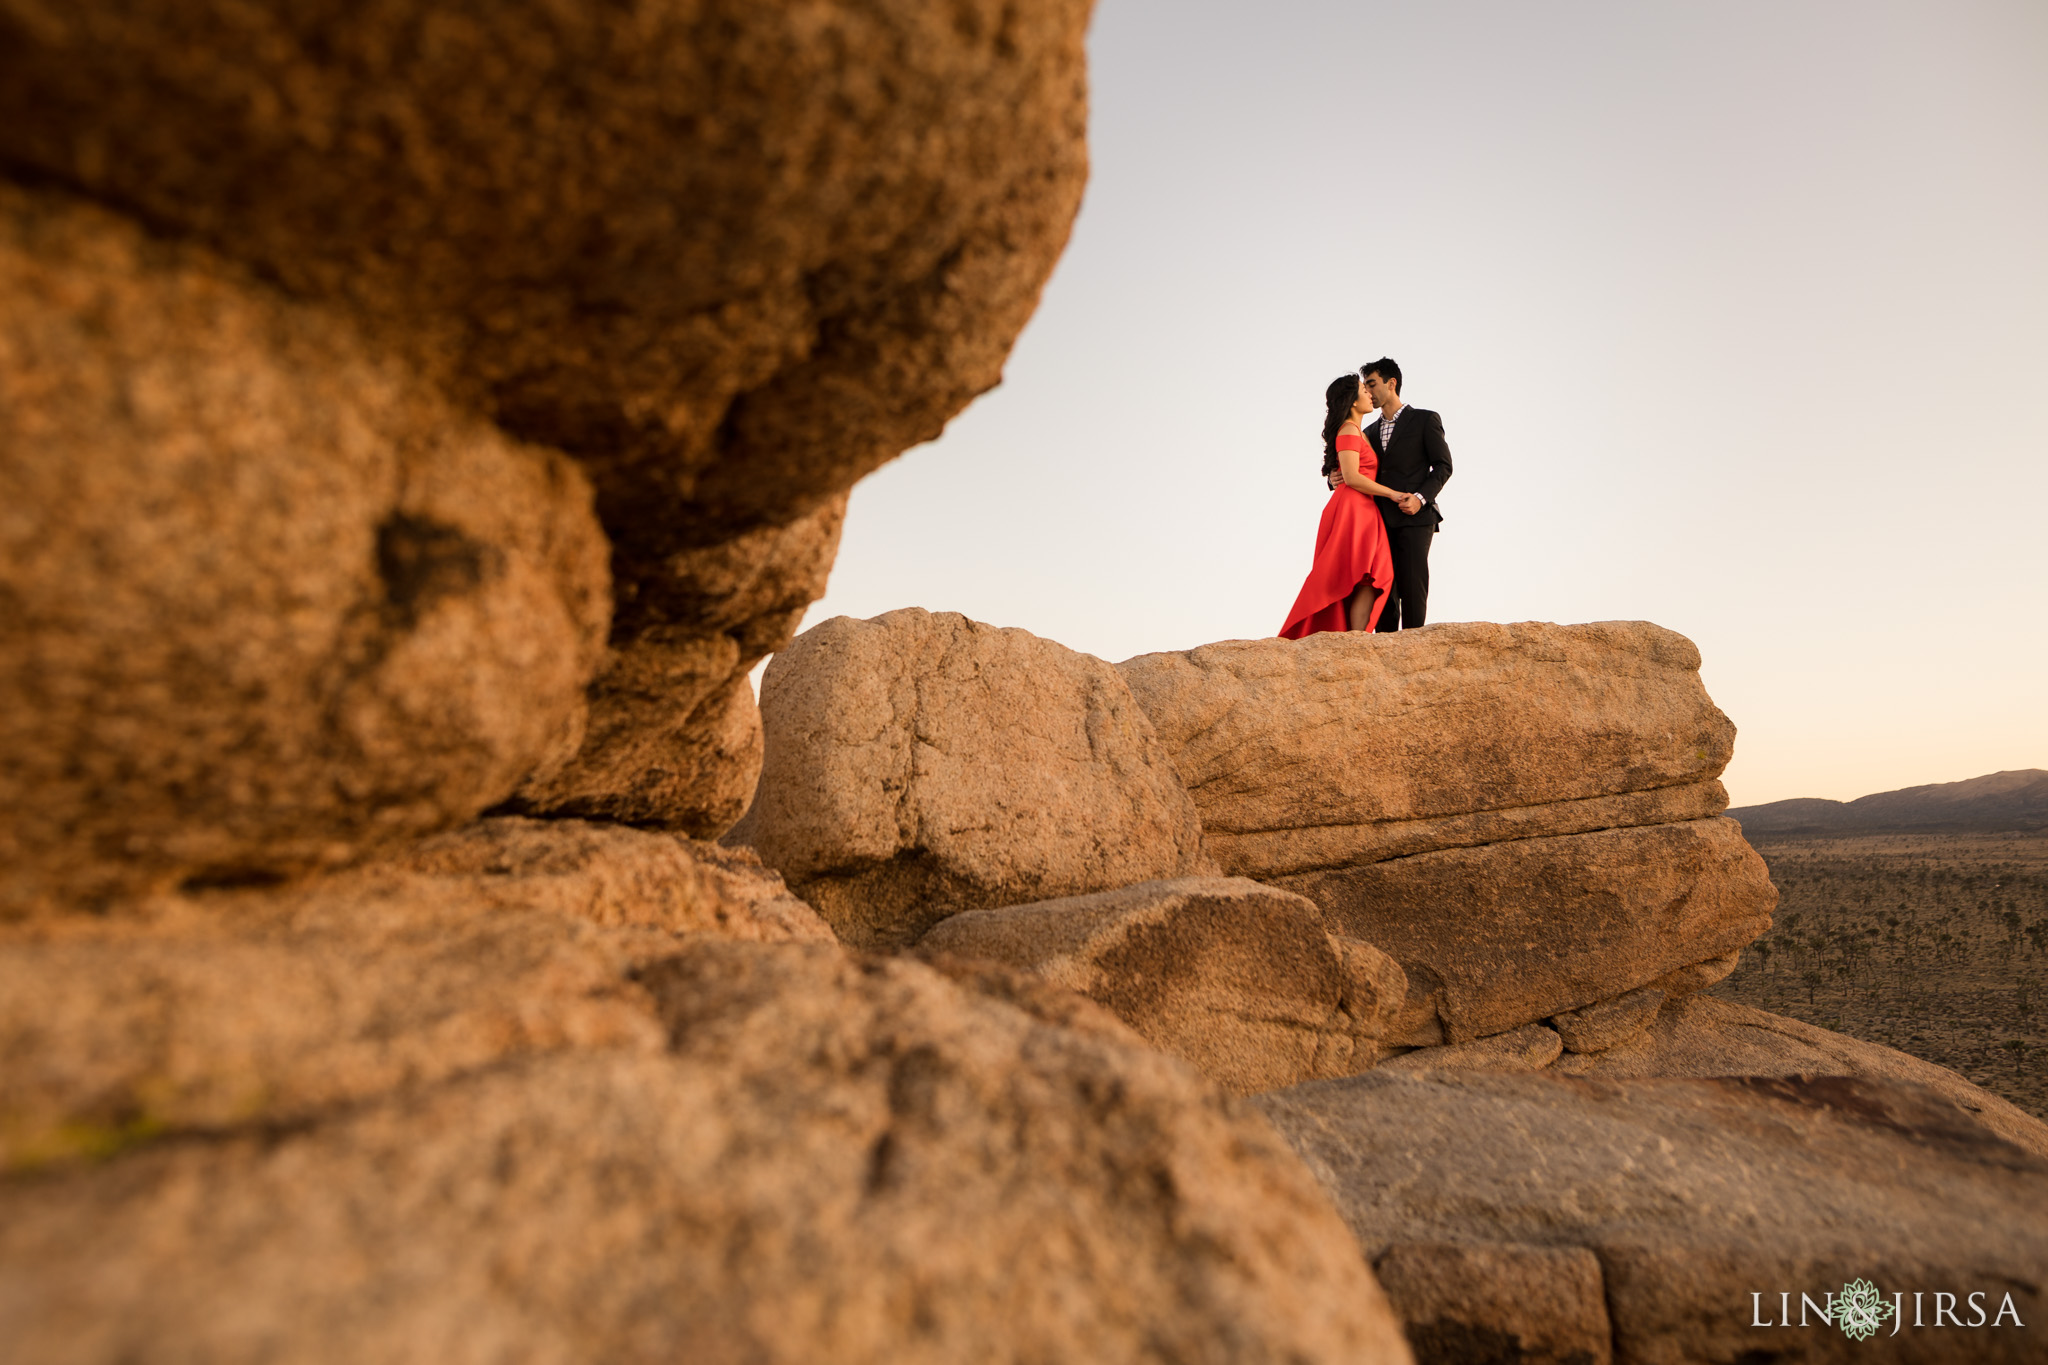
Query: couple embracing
[[1384, 470]]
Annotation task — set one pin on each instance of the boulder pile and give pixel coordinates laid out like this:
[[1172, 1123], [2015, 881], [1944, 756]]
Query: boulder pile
[[1452, 855], [411, 436], [413, 428], [1523, 816], [1516, 826]]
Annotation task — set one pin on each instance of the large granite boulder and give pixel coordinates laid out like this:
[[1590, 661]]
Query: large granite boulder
[[270, 601], [1240, 979], [1523, 816], [1703, 1200], [755, 1151], [919, 765], [1506, 934], [1345, 749], [729, 256]]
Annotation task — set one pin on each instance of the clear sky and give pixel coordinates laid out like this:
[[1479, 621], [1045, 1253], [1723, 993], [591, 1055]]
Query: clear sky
[[1736, 315]]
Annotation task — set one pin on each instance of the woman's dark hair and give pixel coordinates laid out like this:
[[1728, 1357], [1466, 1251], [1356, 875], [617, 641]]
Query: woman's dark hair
[[1341, 394]]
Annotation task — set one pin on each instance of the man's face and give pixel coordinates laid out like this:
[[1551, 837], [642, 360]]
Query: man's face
[[1378, 389]]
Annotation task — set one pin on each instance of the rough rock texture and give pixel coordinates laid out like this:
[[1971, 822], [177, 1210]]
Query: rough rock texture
[[1504, 935], [1453, 736], [919, 765], [228, 1007], [269, 601], [1502, 1302], [675, 737], [1706, 1036], [609, 875], [1238, 978], [1695, 1194], [1529, 1048], [1523, 816], [724, 205], [1596, 1028], [801, 1156], [730, 256]]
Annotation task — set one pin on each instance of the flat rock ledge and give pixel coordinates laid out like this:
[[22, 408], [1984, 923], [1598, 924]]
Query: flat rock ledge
[[1703, 1036], [1693, 1195], [1453, 736]]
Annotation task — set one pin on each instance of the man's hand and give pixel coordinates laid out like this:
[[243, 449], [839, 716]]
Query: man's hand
[[1411, 503], [1333, 479]]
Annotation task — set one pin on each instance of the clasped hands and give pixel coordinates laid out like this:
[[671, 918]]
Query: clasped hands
[[1411, 503]]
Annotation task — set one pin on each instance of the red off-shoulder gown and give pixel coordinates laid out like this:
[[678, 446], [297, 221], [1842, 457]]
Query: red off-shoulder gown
[[1351, 546]]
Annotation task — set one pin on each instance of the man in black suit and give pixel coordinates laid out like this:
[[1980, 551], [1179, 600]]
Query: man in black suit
[[1413, 458]]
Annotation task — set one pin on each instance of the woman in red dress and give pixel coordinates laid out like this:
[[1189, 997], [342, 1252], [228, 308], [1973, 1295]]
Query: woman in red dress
[[1353, 568]]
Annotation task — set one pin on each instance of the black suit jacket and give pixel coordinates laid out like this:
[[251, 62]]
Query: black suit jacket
[[1416, 461]]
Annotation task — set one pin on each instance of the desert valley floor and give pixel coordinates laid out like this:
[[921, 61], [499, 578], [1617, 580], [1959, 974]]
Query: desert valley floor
[[1935, 944]]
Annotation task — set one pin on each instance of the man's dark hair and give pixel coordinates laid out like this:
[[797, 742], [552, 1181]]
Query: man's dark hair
[[1385, 369]]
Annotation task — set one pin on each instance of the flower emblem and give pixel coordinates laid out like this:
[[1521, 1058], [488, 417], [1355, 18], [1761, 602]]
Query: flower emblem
[[1860, 1310]]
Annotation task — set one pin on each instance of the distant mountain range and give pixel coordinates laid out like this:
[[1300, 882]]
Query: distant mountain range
[[2002, 801]]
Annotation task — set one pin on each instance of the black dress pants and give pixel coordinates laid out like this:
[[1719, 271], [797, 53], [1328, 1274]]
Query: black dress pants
[[1408, 601]]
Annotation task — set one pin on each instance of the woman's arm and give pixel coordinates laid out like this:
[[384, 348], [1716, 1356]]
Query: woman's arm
[[1347, 465]]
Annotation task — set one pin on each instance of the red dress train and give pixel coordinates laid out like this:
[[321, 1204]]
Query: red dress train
[[1351, 546]]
